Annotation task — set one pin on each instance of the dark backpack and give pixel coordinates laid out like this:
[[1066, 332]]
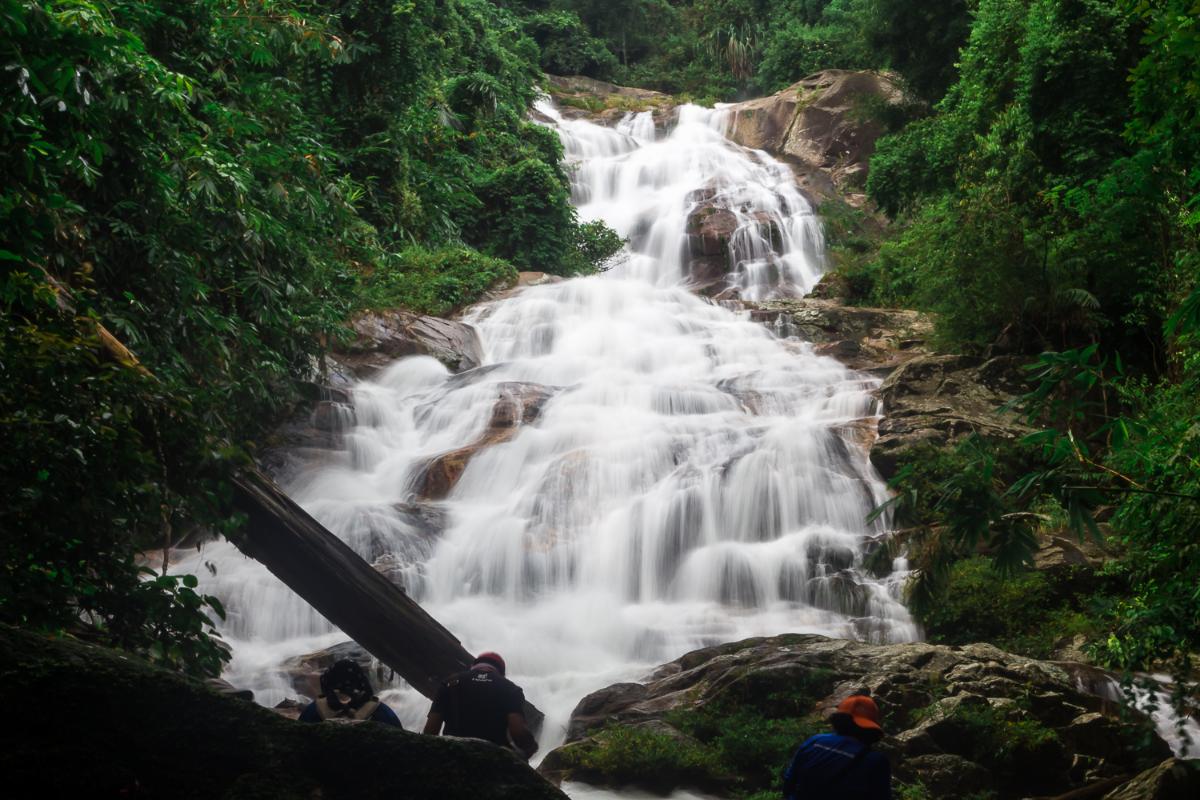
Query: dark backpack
[[790, 783]]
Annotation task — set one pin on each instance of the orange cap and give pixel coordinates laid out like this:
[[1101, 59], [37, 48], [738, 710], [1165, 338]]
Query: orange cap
[[861, 710]]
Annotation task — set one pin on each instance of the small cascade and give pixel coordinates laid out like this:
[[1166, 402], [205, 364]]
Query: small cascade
[[737, 207], [648, 472]]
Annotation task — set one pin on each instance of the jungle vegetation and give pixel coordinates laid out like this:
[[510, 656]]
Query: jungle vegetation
[[219, 184]]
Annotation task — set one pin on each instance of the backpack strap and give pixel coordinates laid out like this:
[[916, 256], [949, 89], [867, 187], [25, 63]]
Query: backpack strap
[[849, 766], [367, 709], [324, 710], [791, 781]]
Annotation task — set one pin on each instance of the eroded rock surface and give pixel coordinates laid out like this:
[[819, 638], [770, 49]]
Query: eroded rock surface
[[606, 103], [938, 399], [822, 122], [874, 340], [926, 398], [960, 720], [383, 336]]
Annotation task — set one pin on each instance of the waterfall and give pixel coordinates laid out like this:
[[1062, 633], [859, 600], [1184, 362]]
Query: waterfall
[[678, 477], [647, 189]]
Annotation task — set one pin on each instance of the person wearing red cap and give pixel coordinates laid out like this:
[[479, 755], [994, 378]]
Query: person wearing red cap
[[842, 764], [482, 704]]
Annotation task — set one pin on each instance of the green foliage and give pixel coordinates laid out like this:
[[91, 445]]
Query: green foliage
[[956, 502], [1022, 189], [1008, 746], [801, 40], [434, 282], [723, 49], [912, 791], [1026, 613], [621, 755], [86, 492], [920, 40], [216, 185], [746, 743], [567, 47], [741, 739]]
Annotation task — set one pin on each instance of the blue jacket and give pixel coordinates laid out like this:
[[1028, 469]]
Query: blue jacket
[[841, 767]]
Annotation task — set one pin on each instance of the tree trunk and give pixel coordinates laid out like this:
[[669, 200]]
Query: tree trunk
[[323, 570]]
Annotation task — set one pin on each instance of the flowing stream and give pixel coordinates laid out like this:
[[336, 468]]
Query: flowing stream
[[682, 476]]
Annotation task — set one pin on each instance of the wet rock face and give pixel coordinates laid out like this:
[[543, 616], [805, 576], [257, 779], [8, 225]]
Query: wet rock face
[[821, 122], [960, 720], [384, 336], [516, 404], [315, 433]]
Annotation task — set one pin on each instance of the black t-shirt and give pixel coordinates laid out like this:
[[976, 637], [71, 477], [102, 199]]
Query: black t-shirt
[[477, 704]]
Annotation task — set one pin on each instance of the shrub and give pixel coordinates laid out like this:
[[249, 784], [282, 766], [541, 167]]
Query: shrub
[[434, 281], [623, 755]]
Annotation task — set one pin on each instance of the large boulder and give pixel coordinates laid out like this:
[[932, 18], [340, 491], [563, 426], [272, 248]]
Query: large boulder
[[381, 337], [97, 723], [823, 122], [961, 721]]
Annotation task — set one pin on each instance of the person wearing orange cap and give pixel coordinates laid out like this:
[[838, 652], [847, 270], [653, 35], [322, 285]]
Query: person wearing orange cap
[[842, 764], [482, 704]]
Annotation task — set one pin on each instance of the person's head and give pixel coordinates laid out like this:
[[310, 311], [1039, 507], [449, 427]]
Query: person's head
[[489, 659], [345, 684], [858, 716]]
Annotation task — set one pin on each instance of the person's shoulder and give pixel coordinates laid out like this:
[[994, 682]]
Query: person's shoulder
[[827, 739], [456, 679], [385, 714]]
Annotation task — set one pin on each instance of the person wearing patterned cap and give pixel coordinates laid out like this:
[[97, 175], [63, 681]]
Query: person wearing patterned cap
[[482, 704], [347, 696], [842, 764]]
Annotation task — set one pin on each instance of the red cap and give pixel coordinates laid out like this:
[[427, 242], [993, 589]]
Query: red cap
[[490, 658], [861, 710]]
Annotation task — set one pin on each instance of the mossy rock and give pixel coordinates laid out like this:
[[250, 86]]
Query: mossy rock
[[962, 722], [85, 721]]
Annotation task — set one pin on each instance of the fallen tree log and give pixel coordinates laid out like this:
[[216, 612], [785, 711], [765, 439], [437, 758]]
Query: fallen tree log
[[327, 573]]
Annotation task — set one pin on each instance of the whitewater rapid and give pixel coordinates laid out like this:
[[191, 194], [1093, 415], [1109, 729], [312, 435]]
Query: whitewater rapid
[[689, 478]]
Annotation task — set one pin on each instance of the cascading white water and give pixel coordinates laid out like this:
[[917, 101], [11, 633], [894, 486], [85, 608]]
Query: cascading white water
[[689, 478], [648, 189]]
